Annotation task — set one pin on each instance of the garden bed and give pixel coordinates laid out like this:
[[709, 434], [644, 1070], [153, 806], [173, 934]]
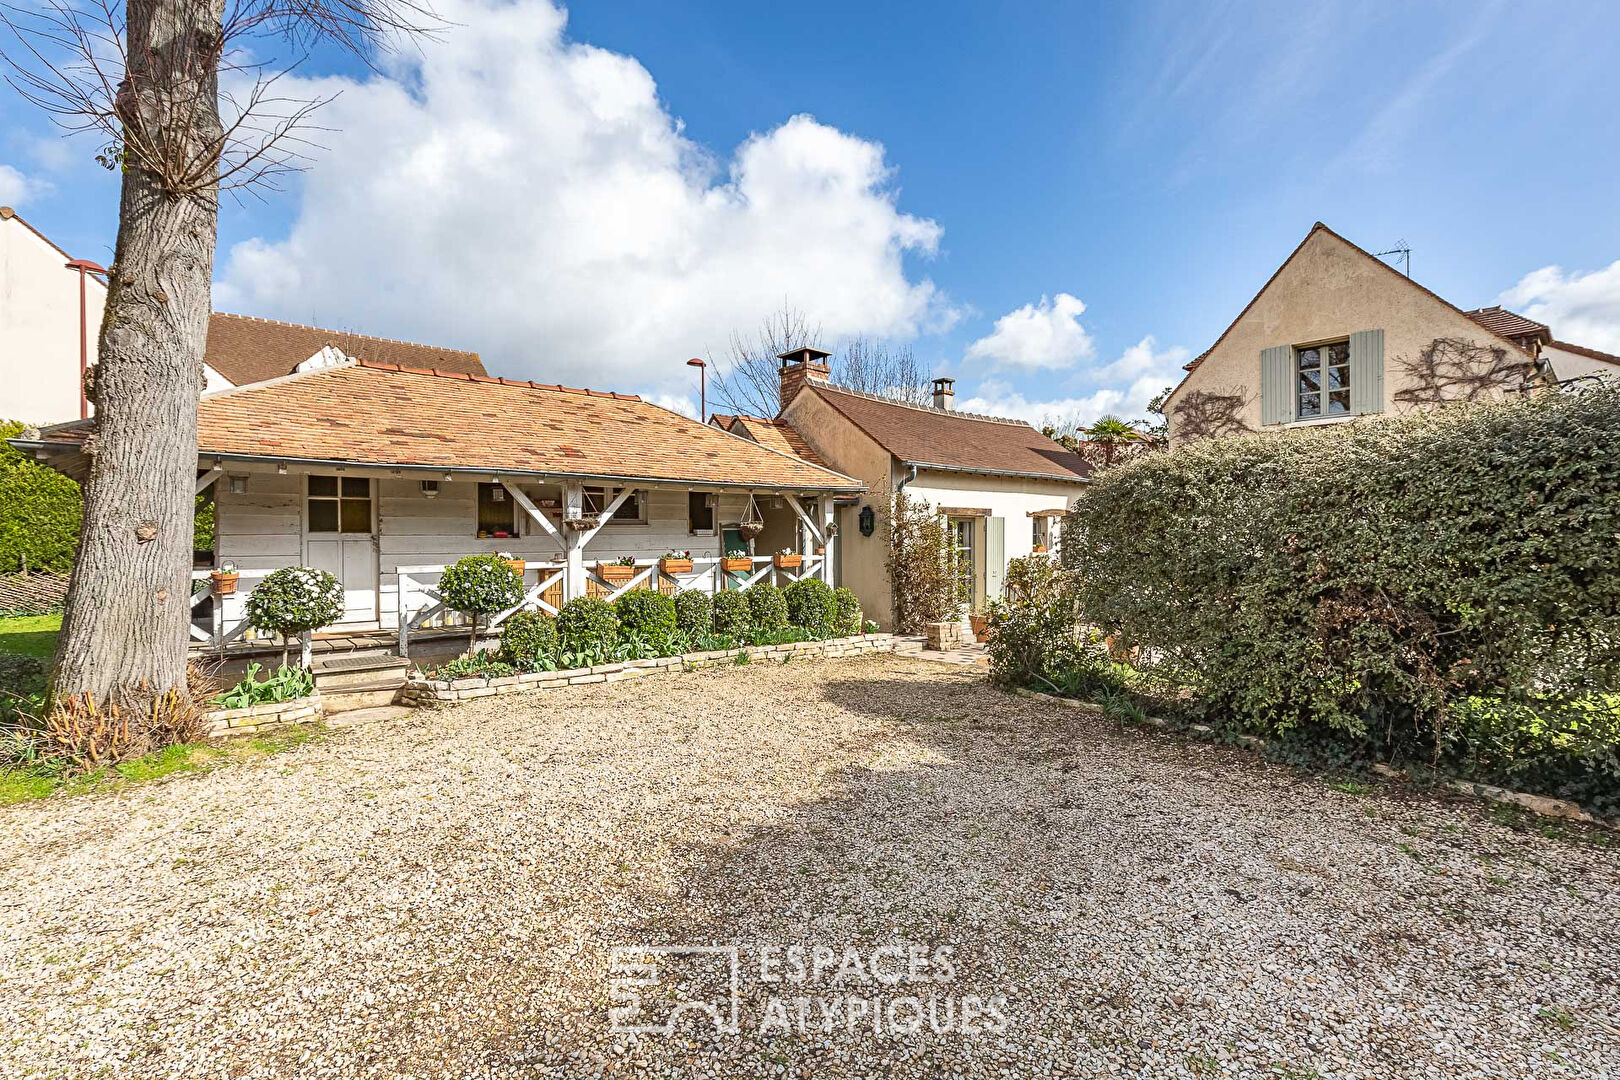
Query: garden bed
[[421, 690], [257, 719]]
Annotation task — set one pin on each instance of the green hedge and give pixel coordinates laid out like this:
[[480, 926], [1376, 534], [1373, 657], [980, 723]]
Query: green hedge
[[733, 615], [694, 612], [769, 609], [527, 637], [1368, 585], [810, 606], [40, 511], [645, 612]]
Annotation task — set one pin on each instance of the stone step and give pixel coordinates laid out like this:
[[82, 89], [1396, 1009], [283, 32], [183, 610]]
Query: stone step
[[354, 699], [367, 672]]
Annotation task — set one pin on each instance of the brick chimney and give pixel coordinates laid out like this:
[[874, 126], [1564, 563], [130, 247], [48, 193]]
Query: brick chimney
[[943, 393], [799, 366]]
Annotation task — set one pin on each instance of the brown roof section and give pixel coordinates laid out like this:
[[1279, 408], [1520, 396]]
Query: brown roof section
[[385, 414], [777, 434], [246, 349], [1193, 364], [919, 435], [1582, 350], [1499, 320]]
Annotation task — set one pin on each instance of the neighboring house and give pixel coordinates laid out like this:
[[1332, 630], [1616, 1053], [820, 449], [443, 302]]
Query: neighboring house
[[40, 327], [1003, 485], [384, 475], [1337, 333]]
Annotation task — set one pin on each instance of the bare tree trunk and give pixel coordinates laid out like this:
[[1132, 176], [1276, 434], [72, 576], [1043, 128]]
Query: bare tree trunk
[[124, 631]]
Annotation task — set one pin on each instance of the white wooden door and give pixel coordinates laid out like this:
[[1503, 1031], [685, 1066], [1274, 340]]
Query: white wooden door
[[340, 538], [353, 561]]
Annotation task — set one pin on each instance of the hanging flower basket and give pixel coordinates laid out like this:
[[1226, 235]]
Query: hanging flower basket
[[750, 530], [787, 562], [224, 582], [615, 574]]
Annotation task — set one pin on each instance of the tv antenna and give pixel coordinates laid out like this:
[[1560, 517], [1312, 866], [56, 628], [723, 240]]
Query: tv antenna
[[1404, 250]]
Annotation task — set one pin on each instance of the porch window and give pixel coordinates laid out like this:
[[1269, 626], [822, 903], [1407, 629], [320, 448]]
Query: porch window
[[700, 512], [630, 512], [1043, 532], [497, 512], [339, 504], [1324, 380]]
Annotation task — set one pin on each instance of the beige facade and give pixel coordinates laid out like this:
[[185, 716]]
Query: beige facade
[[39, 325], [1326, 292]]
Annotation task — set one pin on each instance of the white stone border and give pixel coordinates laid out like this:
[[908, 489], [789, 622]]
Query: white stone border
[[258, 718], [420, 690], [1545, 805]]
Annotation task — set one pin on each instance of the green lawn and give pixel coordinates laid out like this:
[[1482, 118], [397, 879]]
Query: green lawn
[[31, 635]]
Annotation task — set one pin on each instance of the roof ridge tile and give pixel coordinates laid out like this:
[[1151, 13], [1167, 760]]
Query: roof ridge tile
[[346, 333]]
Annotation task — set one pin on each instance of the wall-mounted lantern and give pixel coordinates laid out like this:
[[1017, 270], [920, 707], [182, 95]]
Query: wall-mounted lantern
[[868, 521]]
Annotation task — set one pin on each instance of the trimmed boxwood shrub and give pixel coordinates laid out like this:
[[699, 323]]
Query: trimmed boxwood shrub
[[526, 637], [645, 612], [768, 608], [587, 623], [694, 612], [294, 600], [40, 511], [1367, 586], [733, 615], [480, 585], [849, 611], [810, 606]]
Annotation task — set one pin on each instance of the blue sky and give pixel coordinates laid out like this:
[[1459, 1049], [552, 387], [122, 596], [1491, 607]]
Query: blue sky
[[1023, 193]]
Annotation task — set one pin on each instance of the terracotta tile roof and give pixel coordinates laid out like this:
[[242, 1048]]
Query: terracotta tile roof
[[1508, 324], [246, 350], [385, 414], [1582, 350], [1192, 365], [917, 434], [776, 434]]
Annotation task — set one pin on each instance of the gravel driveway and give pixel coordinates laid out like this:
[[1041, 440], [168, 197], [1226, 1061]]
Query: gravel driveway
[[439, 895]]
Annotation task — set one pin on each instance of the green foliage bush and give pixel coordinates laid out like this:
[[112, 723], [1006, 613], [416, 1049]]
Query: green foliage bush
[[480, 585], [848, 620], [922, 566], [733, 615], [40, 510], [645, 612], [284, 684], [587, 623], [810, 606], [528, 637], [294, 600], [1370, 584], [768, 608], [694, 612]]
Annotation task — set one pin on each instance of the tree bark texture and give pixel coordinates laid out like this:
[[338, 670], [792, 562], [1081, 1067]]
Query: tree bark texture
[[124, 632]]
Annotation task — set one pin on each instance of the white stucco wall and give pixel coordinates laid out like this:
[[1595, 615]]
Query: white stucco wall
[[39, 327], [1572, 365]]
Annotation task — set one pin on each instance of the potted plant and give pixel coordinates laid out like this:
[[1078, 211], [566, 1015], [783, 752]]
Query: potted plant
[[787, 560], [519, 565], [980, 620], [224, 580], [1039, 549], [736, 561], [618, 572], [675, 562]]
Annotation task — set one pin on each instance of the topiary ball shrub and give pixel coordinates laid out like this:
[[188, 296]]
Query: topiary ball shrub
[[733, 616], [770, 610], [848, 619], [480, 585], [587, 623], [694, 612], [295, 600], [810, 606], [526, 637], [645, 612]]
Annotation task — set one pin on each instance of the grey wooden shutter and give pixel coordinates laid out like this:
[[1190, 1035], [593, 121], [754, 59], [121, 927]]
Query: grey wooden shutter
[[995, 556], [1367, 371], [1277, 401]]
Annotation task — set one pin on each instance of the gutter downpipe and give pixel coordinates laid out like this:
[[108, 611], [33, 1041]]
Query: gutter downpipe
[[911, 475]]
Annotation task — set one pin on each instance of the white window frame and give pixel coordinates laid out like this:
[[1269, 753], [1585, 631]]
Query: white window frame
[[1322, 392], [597, 497]]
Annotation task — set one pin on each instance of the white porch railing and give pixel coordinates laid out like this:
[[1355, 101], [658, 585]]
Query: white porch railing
[[220, 632]]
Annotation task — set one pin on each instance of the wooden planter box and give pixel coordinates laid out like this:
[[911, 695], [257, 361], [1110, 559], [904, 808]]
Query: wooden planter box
[[615, 574], [736, 566], [519, 565], [675, 566], [787, 562], [224, 584]]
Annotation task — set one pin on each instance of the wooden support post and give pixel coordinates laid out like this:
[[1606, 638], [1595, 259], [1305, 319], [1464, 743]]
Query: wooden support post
[[404, 615]]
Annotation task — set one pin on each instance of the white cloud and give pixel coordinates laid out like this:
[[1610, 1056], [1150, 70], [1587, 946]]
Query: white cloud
[[508, 190], [17, 189], [1046, 334], [1139, 375], [1583, 309]]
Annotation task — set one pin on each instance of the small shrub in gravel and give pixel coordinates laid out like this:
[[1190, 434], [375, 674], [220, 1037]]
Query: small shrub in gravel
[[810, 606], [527, 638], [587, 624], [768, 607], [733, 615], [849, 612], [694, 612], [645, 613]]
